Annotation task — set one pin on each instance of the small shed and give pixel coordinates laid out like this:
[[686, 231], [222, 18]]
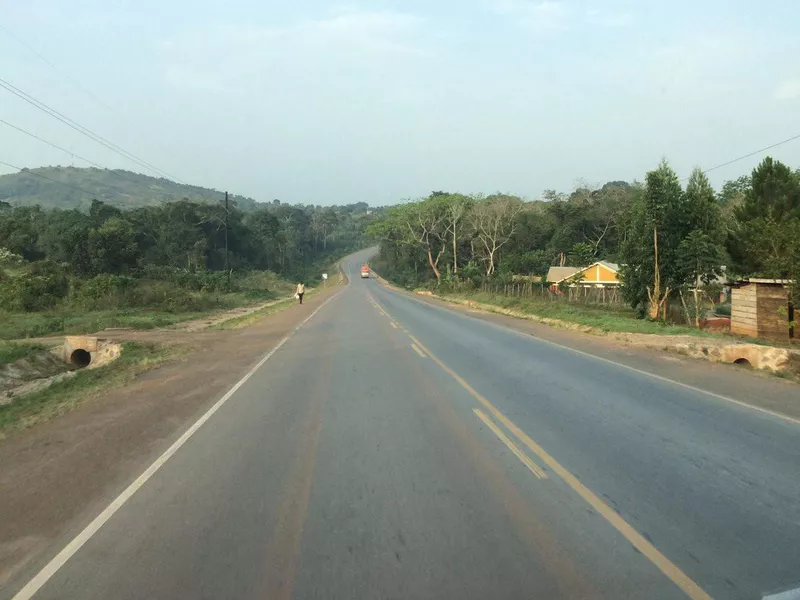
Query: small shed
[[761, 308]]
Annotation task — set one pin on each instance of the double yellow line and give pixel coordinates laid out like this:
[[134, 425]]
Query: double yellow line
[[665, 565]]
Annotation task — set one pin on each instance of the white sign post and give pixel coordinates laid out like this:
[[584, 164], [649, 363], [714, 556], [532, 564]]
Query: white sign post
[[324, 280]]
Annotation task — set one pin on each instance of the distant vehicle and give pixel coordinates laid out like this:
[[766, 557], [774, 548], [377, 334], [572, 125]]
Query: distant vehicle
[[365, 272]]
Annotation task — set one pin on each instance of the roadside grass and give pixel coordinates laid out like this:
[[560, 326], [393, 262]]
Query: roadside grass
[[118, 302], [253, 317], [64, 396], [604, 318], [71, 320], [12, 352], [26, 325]]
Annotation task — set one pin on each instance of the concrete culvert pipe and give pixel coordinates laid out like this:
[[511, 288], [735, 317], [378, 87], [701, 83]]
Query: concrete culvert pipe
[[742, 361], [80, 358]]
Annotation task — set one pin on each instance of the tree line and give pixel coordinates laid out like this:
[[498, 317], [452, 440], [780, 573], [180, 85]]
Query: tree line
[[38, 246], [669, 239]]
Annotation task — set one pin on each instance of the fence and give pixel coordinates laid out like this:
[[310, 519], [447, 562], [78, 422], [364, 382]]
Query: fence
[[605, 296]]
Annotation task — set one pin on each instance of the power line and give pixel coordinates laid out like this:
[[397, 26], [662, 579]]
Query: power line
[[61, 72], [770, 147], [56, 146], [83, 130], [71, 153], [29, 172]]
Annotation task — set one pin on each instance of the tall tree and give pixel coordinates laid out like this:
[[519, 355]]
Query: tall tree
[[771, 205], [700, 255], [494, 221], [649, 253], [457, 207]]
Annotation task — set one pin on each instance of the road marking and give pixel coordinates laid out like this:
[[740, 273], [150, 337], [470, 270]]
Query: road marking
[[526, 460], [394, 324], [687, 386], [51, 568], [417, 350], [665, 565]]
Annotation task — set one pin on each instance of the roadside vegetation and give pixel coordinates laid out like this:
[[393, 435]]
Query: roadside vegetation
[[63, 396], [675, 245], [12, 352], [67, 271]]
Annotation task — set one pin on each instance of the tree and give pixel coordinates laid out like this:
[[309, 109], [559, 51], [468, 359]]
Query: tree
[[426, 223], [494, 221], [582, 254], [699, 258], [700, 255], [112, 247], [456, 207], [650, 267], [761, 239], [734, 192]]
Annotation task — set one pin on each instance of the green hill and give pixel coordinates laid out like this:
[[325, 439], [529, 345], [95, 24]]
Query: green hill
[[123, 189]]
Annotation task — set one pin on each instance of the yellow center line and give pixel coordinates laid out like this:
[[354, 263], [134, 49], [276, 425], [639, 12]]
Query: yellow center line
[[417, 350], [665, 565], [526, 460]]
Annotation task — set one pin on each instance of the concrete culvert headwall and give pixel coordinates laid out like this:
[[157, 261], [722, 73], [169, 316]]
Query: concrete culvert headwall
[[78, 350], [83, 351], [80, 358]]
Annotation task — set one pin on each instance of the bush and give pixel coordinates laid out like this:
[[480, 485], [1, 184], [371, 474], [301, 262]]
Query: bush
[[196, 281], [42, 287], [104, 291], [723, 310]]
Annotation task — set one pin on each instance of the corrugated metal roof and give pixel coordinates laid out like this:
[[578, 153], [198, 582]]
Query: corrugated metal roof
[[557, 274], [613, 266]]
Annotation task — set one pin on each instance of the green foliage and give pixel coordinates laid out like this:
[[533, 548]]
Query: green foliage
[[582, 255], [182, 243], [699, 258], [767, 229], [659, 212], [723, 310], [42, 287], [12, 352]]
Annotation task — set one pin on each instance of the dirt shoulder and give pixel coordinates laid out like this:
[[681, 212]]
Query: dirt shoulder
[[754, 388], [56, 476]]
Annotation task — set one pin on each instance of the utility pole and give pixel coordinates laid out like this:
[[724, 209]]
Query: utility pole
[[227, 259]]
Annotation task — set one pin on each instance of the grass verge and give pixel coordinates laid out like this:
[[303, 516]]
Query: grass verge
[[602, 318], [249, 319], [12, 352], [26, 325], [64, 396]]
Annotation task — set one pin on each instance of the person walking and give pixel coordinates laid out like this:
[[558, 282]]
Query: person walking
[[301, 289]]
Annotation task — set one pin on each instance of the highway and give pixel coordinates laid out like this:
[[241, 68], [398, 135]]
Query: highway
[[393, 449]]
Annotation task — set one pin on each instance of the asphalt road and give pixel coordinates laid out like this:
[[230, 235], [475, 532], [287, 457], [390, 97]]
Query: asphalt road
[[393, 449]]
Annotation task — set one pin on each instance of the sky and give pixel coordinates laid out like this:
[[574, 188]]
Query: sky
[[329, 103]]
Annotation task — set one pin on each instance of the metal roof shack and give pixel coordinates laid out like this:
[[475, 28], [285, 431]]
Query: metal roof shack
[[762, 308]]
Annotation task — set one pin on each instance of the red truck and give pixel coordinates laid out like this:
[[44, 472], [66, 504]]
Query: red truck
[[365, 272]]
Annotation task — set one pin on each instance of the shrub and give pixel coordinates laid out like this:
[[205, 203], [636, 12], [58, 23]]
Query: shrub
[[723, 310], [104, 291], [42, 287]]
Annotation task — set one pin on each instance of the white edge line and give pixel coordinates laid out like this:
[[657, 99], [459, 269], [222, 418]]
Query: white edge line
[[51, 568], [687, 386]]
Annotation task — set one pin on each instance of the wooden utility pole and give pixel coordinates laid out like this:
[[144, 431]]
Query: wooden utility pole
[[227, 259]]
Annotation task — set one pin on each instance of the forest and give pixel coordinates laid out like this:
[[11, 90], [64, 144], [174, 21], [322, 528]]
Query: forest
[[668, 235], [176, 256]]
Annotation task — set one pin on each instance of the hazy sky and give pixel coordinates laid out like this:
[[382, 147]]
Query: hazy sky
[[323, 103]]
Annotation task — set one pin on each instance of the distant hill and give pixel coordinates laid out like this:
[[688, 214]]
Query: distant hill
[[123, 189]]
